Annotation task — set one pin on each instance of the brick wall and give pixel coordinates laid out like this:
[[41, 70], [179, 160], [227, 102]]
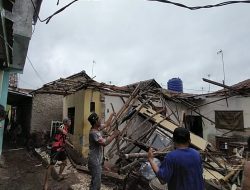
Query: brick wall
[[45, 108]]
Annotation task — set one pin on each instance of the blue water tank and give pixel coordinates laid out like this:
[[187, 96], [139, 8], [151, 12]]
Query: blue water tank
[[175, 84]]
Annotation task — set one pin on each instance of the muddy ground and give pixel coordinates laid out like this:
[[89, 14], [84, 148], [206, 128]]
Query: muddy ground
[[24, 171]]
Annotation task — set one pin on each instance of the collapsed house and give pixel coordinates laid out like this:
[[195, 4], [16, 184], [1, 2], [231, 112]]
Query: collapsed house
[[147, 115]]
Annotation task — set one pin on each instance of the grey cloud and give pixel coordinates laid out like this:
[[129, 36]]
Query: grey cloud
[[138, 40]]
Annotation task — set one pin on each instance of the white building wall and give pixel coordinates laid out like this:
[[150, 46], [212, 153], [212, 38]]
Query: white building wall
[[234, 104], [116, 102]]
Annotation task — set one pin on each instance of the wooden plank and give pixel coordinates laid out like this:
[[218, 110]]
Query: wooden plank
[[196, 141], [211, 174]]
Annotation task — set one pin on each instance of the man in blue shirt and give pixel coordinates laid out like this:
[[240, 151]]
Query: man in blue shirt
[[181, 169]]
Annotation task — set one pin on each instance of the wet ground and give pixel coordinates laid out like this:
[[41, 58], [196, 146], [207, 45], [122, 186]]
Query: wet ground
[[24, 171], [21, 170]]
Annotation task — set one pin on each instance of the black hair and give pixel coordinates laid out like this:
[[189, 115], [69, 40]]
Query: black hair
[[181, 135], [93, 118]]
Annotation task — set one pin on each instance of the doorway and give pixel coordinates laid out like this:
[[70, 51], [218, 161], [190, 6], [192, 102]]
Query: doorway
[[194, 124]]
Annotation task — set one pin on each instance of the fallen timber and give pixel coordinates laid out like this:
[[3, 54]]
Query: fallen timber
[[147, 123]]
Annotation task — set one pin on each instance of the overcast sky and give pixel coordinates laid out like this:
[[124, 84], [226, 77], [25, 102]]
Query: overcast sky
[[134, 40]]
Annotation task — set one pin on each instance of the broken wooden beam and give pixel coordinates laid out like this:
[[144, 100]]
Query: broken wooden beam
[[143, 155], [196, 141]]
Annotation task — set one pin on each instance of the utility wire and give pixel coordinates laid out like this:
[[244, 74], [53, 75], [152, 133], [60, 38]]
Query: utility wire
[[55, 13], [6, 42], [34, 87], [163, 1], [201, 7], [35, 70], [27, 58]]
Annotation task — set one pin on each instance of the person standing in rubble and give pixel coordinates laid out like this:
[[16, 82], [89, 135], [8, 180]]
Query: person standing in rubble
[[96, 144], [181, 168], [58, 152]]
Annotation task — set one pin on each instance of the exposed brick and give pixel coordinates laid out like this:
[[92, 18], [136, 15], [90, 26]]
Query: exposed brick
[[45, 108]]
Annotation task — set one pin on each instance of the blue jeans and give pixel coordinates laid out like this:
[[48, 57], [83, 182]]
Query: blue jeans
[[96, 173]]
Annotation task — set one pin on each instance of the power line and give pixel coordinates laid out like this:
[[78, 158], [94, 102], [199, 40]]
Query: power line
[[55, 13], [28, 83], [35, 70], [201, 7], [27, 58], [6, 42], [163, 1]]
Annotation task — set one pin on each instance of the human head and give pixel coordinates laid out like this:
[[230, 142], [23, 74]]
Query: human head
[[67, 121], [181, 136], [93, 119]]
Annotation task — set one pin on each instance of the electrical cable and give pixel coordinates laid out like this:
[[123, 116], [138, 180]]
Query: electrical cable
[[6, 42], [27, 58], [35, 70], [55, 13], [163, 1], [28, 83], [201, 7]]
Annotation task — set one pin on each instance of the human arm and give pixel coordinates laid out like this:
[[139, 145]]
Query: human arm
[[151, 160], [110, 138], [62, 130], [98, 138], [107, 123], [165, 171]]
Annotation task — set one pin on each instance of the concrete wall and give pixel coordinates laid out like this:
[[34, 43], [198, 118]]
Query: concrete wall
[[175, 111], [45, 108], [81, 101], [117, 103], [22, 16], [107, 109], [234, 104], [76, 101]]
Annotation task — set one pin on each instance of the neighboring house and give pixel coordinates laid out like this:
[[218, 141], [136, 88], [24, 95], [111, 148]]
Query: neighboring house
[[230, 112], [45, 108], [225, 113], [16, 19], [82, 95], [71, 98], [47, 105]]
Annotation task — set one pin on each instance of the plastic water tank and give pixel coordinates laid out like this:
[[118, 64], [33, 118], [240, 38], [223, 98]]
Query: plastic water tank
[[175, 84]]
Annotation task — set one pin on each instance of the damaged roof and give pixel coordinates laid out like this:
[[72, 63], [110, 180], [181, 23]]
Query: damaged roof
[[74, 83], [78, 81]]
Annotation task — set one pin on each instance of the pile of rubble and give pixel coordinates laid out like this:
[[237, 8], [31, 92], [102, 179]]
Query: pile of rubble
[[146, 120]]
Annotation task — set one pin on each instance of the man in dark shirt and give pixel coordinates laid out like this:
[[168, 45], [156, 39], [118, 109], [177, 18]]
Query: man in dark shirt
[[96, 144], [181, 169]]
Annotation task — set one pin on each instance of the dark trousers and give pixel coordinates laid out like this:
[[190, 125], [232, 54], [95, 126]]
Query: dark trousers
[[96, 173]]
